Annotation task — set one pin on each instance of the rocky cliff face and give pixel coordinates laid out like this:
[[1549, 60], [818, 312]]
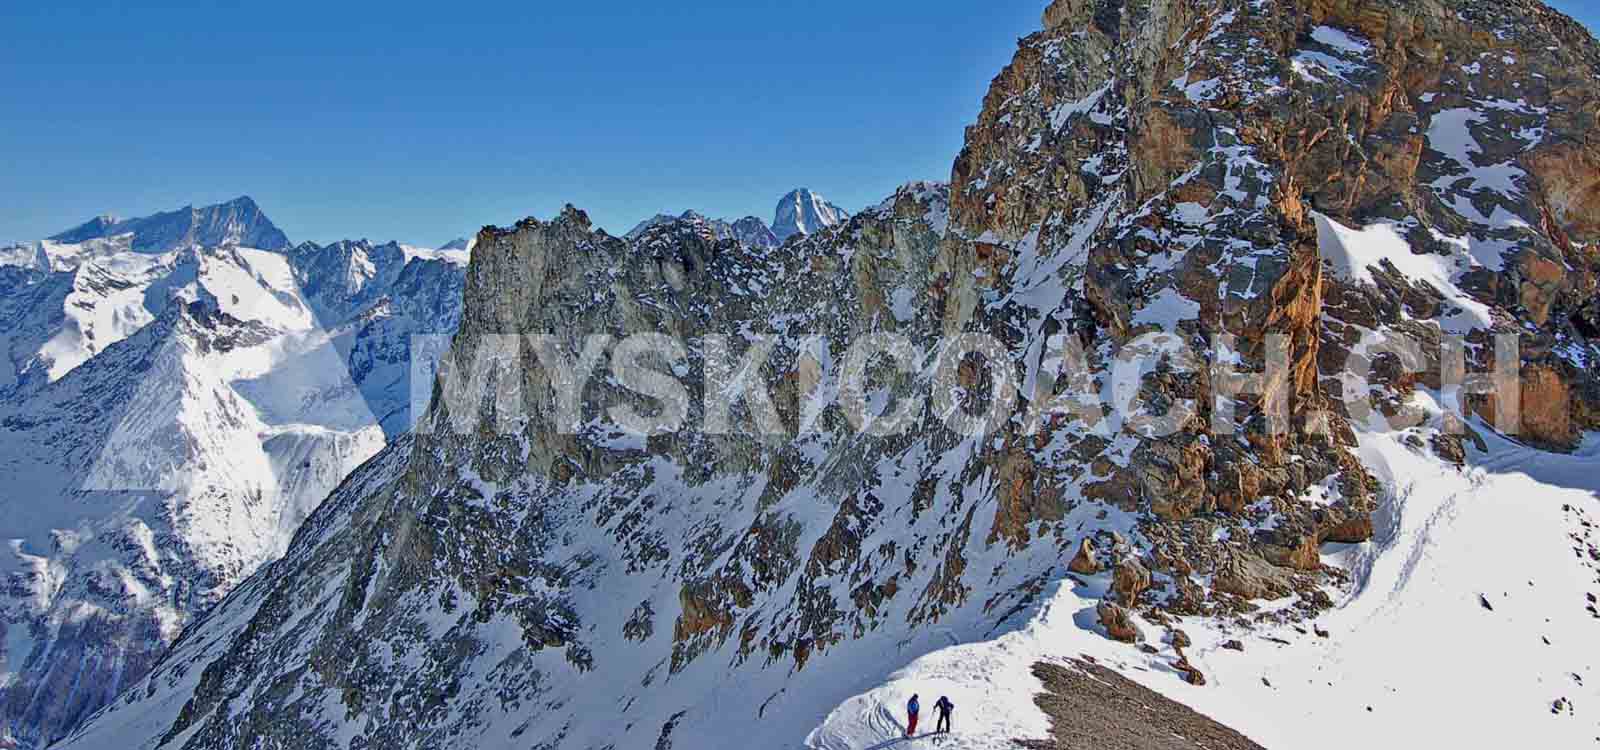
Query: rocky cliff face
[[167, 419], [1228, 202]]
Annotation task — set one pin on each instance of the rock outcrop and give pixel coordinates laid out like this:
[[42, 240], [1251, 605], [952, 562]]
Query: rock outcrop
[[1118, 622], [1085, 562], [1090, 705]]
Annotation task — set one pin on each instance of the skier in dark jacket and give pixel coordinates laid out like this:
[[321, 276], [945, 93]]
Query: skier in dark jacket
[[912, 709], [943, 707]]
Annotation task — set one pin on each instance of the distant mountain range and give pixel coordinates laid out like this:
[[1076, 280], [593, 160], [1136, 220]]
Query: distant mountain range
[[177, 393], [237, 222]]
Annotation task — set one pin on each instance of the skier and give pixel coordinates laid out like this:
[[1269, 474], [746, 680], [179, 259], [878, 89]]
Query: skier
[[943, 707], [912, 709]]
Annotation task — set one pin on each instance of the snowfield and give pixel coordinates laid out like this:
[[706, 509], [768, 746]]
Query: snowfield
[[1414, 658]]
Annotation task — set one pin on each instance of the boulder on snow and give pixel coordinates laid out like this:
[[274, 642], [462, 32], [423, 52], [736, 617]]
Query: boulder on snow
[[1191, 598], [1118, 622], [1250, 577], [1131, 580], [1191, 674], [1085, 563]]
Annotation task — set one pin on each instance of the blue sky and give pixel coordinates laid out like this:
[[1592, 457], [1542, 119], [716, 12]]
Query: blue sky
[[422, 122]]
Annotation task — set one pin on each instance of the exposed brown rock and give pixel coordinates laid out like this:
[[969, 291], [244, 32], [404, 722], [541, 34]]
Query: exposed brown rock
[[1191, 598], [1450, 448], [1546, 408], [1252, 578], [1191, 674], [1166, 148], [1350, 528], [1091, 706], [1023, 499], [1130, 580], [1302, 553], [1118, 622], [1543, 281], [1569, 177], [1085, 562]]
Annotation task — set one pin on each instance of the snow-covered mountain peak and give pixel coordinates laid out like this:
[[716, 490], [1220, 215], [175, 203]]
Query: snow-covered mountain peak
[[176, 394], [237, 222], [462, 244], [800, 212], [804, 212]]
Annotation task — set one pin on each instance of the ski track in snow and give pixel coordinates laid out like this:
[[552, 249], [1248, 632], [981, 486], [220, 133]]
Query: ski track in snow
[[1410, 640]]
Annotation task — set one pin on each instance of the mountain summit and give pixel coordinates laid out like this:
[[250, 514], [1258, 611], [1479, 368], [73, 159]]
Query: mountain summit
[[239, 222], [805, 212], [801, 212]]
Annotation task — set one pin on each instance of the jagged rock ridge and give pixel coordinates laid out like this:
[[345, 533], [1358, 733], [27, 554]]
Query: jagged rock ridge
[[750, 230], [1195, 169]]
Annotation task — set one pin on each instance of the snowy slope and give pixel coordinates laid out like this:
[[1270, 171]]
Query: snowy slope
[[142, 487], [1396, 638], [392, 564], [168, 418], [79, 300], [1412, 641]]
